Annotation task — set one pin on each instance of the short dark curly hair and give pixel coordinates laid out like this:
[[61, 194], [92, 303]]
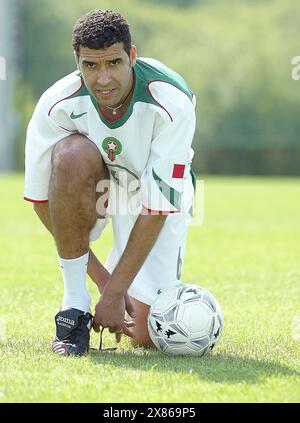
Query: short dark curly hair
[[99, 29]]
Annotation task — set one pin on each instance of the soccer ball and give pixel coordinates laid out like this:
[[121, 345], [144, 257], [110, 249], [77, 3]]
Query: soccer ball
[[185, 320]]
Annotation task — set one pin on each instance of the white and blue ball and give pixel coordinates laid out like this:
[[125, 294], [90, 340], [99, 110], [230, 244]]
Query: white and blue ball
[[185, 320]]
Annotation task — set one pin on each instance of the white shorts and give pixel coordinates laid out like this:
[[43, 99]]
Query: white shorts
[[164, 265]]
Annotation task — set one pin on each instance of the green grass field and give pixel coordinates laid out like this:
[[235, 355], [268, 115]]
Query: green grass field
[[246, 252]]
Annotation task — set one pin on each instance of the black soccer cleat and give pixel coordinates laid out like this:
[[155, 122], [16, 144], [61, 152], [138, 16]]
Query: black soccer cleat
[[72, 332]]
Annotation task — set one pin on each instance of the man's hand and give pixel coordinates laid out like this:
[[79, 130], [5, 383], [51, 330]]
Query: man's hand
[[110, 313], [100, 276]]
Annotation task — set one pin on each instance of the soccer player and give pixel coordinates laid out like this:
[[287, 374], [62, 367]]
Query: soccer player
[[112, 141]]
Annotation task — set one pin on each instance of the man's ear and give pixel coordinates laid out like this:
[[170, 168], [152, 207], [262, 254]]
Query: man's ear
[[133, 55], [76, 59]]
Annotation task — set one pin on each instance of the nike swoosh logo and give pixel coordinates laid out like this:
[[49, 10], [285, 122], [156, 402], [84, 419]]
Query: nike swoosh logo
[[73, 116]]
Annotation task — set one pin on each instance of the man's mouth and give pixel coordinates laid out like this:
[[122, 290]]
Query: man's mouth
[[105, 93]]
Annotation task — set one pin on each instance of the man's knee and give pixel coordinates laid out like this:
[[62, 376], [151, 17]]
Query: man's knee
[[140, 331], [142, 340], [77, 155]]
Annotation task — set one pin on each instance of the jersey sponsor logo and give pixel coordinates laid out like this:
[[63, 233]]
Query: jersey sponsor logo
[[112, 147], [74, 116], [178, 171]]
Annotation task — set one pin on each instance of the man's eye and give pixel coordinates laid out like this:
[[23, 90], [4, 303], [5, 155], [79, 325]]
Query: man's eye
[[90, 65], [115, 62]]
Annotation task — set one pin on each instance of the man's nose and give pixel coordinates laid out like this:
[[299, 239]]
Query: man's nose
[[103, 77]]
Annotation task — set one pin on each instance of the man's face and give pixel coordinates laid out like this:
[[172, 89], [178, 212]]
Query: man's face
[[107, 73]]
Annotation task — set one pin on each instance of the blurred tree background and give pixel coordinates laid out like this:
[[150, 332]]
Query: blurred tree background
[[235, 55]]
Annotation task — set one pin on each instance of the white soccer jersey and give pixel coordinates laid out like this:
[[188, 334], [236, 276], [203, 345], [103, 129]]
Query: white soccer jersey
[[150, 145]]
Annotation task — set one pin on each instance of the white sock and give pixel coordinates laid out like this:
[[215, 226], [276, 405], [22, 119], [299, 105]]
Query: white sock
[[74, 275]]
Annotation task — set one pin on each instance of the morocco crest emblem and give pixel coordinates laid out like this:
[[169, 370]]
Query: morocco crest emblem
[[112, 147]]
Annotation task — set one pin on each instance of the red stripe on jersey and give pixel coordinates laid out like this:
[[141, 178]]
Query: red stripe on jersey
[[157, 80], [178, 171], [113, 119], [35, 201], [65, 98], [159, 212]]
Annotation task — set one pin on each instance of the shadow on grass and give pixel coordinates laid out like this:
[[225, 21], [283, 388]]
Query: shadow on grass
[[217, 367]]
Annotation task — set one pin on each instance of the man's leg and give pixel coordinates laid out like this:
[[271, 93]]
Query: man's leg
[[140, 331], [77, 167]]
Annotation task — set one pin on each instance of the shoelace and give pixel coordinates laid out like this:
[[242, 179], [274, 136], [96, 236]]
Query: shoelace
[[100, 346]]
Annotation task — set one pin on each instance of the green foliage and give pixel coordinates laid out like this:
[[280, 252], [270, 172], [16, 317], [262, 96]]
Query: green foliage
[[235, 55]]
